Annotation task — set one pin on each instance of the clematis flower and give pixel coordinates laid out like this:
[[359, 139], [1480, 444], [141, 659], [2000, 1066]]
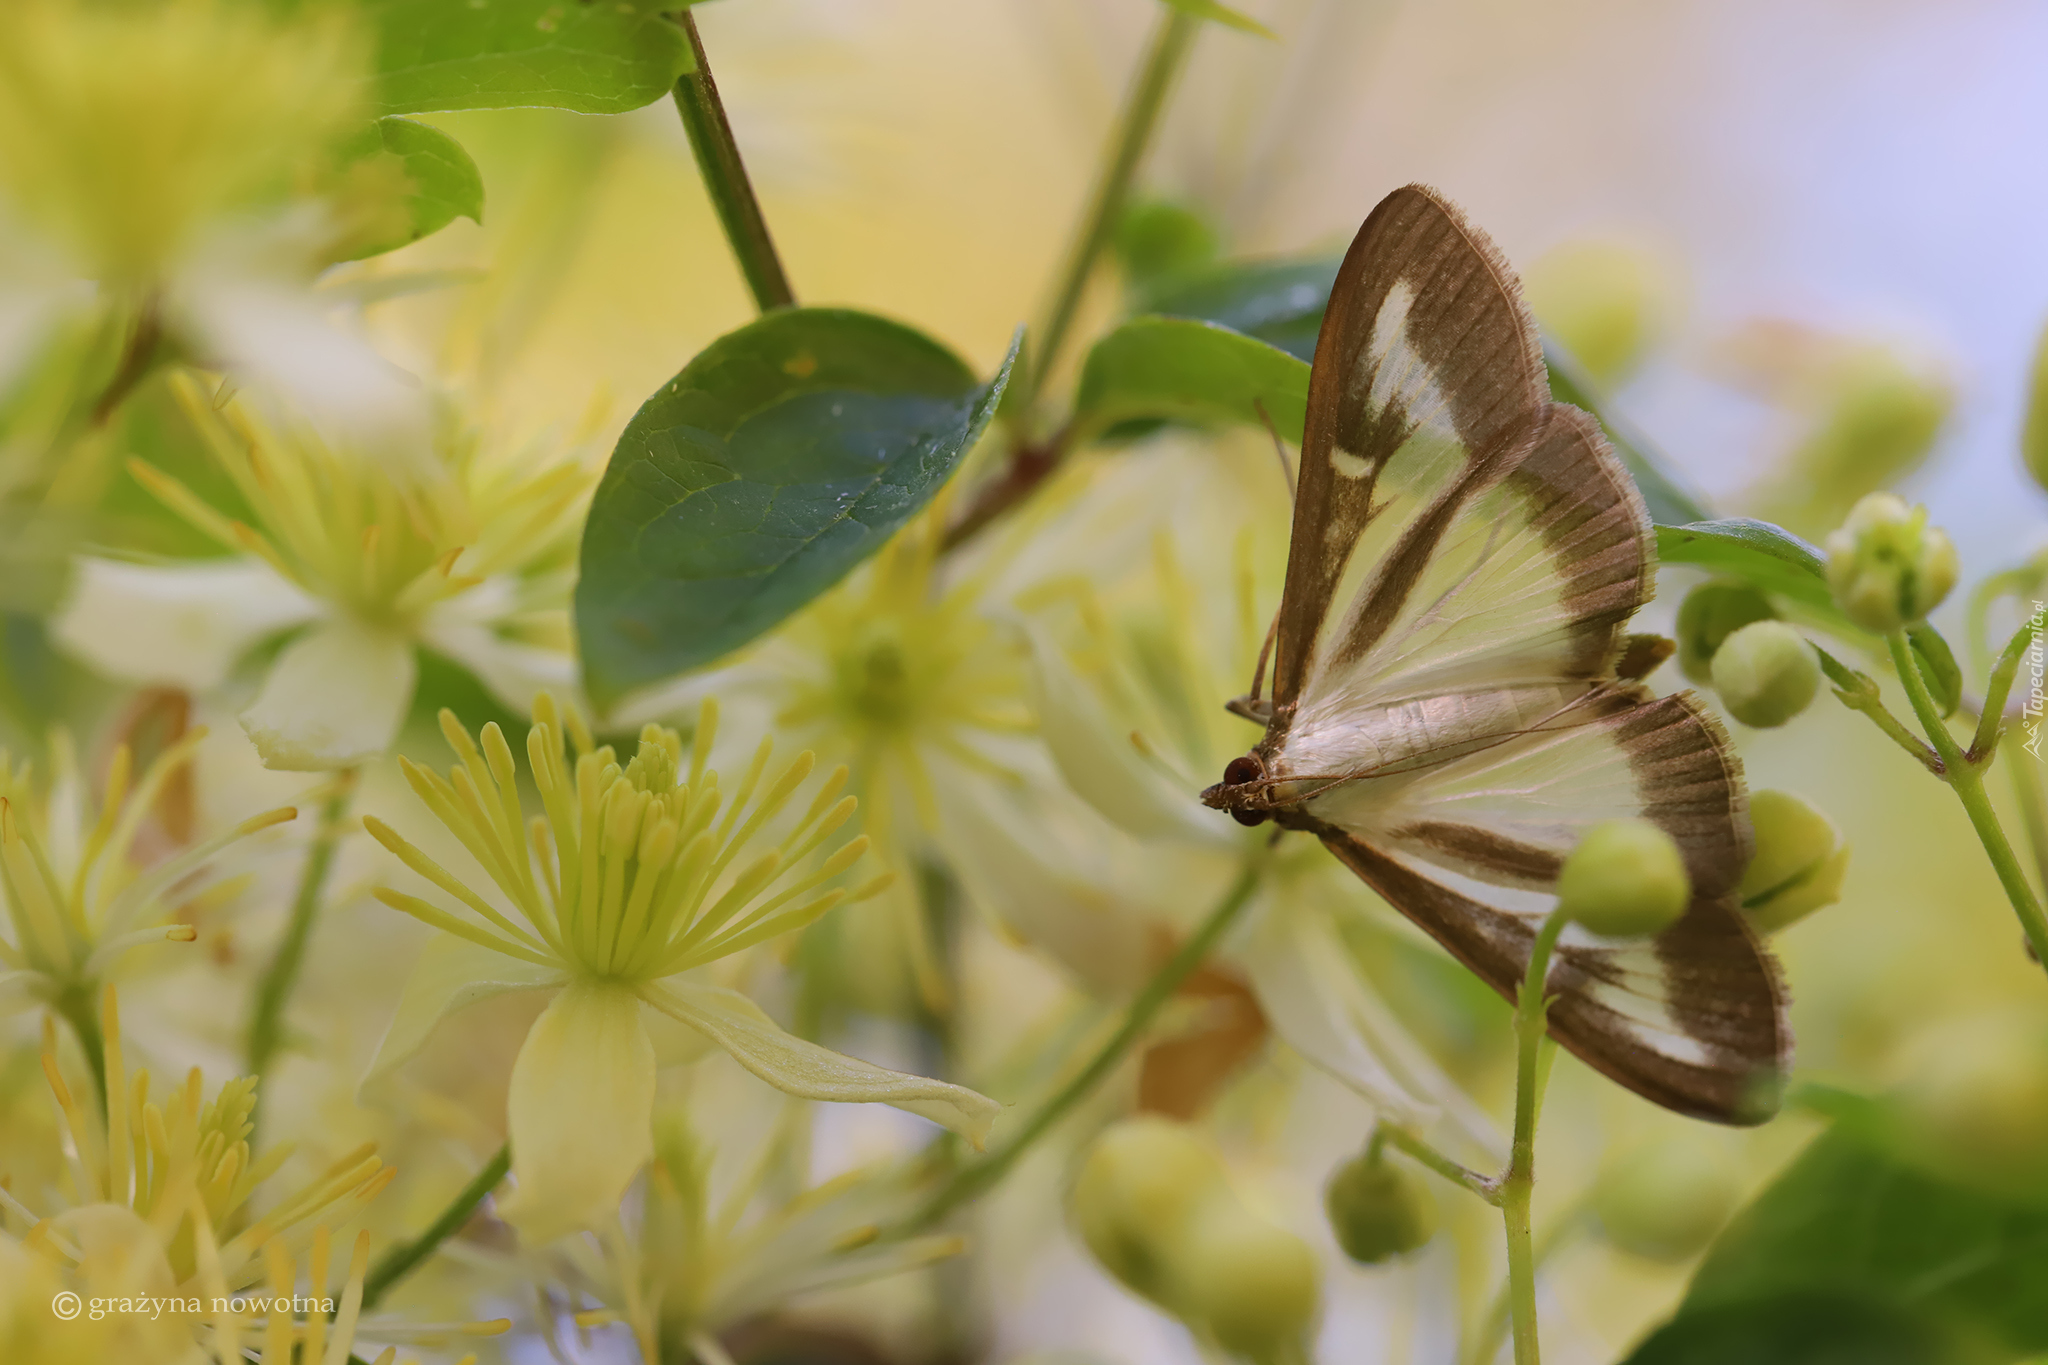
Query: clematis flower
[[632, 877], [159, 1205], [684, 1263], [909, 677], [473, 560], [184, 208], [78, 897], [1129, 681]]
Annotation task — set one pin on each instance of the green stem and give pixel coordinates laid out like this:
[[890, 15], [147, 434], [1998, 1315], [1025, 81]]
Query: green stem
[[725, 178], [1997, 689], [1967, 780], [971, 1181], [1857, 692], [1493, 1324], [1170, 43], [78, 1006], [266, 1015], [399, 1262], [1462, 1176], [1517, 1186], [2026, 780]]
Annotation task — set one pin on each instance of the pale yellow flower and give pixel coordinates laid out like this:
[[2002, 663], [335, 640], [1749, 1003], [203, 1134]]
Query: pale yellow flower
[[634, 875]]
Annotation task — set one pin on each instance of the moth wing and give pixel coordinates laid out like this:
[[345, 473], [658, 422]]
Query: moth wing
[[1470, 849], [1427, 363]]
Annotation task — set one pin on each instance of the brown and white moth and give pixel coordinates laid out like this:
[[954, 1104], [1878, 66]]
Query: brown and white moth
[[1454, 698]]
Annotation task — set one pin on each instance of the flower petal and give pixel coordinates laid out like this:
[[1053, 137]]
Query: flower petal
[[580, 1112], [335, 697], [1100, 761], [810, 1072], [515, 672], [1014, 865], [279, 339], [452, 973], [180, 624], [1324, 1012]]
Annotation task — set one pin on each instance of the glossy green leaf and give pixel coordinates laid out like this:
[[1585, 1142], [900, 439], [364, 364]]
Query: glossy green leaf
[[1853, 1232], [1280, 302], [1221, 14], [1182, 370], [1657, 479], [445, 183], [782, 456], [1938, 667], [592, 56]]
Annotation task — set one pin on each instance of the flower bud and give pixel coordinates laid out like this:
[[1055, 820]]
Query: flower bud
[[2034, 434], [1606, 302], [1975, 1105], [1799, 864], [1888, 568], [1251, 1282], [1141, 1183], [1665, 1202], [1711, 613], [1766, 674], [1625, 880], [1378, 1211]]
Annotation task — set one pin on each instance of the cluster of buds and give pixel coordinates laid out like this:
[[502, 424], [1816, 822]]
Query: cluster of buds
[[1729, 636], [1154, 1203]]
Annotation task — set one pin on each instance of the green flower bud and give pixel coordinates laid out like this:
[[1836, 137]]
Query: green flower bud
[[1140, 1186], [1625, 880], [1157, 240], [1378, 1211], [1250, 1282], [1888, 568], [2034, 435], [1605, 302], [1665, 1202], [1799, 864], [1711, 613], [1976, 1104], [1766, 674]]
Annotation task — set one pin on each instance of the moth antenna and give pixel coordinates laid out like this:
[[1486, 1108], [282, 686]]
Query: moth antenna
[[1265, 653], [1279, 447]]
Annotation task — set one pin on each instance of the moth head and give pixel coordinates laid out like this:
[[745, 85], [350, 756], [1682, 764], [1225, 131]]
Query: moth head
[[1227, 794]]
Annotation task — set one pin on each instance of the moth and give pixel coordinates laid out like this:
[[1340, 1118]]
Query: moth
[[1455, 699]]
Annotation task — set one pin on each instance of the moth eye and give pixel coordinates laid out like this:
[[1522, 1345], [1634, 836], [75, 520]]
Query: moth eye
[[1246, 769]]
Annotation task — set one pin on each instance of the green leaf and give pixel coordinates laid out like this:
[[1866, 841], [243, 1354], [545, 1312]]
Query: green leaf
[[1657, 479], [1770, 557], [592, 56], [781, 457], [1280, 302], [446, 184], [1938, 667], [1222, 14], [1189, 371], [1854, 1233]]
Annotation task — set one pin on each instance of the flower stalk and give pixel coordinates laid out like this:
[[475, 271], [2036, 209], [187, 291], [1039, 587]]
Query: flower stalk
[[400, 1261], [725, 178], [1518, 1183], [266, 1015], [971, 1181]]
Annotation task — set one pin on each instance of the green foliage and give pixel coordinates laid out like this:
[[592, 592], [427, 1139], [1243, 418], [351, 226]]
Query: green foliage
[[594, 58], [1188, 371], [1760, 554], [445, 183], [781, 457], [1938, 667], [1158, 242], [1853, 1254], [1280, 301]]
